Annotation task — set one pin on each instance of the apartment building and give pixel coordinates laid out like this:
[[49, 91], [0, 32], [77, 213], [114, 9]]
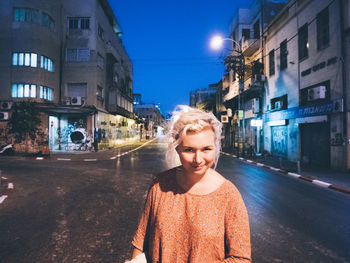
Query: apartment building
[[245, 93], [304, 99], [69, 58]]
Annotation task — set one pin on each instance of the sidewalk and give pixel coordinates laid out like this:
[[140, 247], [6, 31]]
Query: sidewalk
[[322, 176]]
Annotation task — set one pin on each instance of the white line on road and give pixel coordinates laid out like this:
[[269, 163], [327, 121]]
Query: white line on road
[[2, 198], [4, 178], [90, 160], [320, 183], [10, 186], [249, 161], [260, 164], [64, 159], [274, 169], [39, 158]]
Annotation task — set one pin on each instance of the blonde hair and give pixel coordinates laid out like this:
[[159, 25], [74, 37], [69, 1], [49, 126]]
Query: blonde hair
[[187, 119]]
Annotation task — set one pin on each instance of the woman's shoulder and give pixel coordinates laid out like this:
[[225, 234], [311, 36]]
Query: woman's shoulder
[[165, 180], [230, 190]]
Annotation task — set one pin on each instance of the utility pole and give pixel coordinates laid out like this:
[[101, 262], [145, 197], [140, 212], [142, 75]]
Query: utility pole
[[237, 65]]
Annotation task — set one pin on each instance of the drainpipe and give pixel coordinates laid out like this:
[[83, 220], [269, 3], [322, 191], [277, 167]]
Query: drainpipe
[[344, 76], [299, 130]]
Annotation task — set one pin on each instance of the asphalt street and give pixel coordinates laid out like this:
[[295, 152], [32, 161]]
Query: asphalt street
[[85, 208]]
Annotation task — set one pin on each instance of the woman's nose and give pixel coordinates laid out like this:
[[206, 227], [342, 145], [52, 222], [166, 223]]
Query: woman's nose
[[198, 157]]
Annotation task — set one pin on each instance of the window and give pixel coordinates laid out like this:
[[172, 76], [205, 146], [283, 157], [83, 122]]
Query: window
[[33, 16], [77, 90], [257, 30], [78, 54], [246, 33], [100, 61], [99, 93], [279, 103], [322, 29], [303, 42], [46, 93], [23, 91], [79, 23], [25, 59], [272, 62], [100, 32], [283, 55], [46, 63]]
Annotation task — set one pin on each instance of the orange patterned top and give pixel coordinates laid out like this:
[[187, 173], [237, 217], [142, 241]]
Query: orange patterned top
[[179, 227]]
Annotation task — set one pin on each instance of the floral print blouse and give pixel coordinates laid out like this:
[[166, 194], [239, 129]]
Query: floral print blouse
[[180, 227]]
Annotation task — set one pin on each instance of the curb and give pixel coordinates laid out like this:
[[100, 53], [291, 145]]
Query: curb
[[295, 175]]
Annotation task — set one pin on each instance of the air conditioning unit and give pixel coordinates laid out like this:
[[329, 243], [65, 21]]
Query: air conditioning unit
[[278, 105], [67, 101], [76, 101], [6, 105], [256, 105], [338, 106], [258, 78], [4, 116], [316, 93]]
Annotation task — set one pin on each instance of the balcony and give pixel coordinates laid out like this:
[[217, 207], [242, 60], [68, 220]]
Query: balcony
[[250, 45]]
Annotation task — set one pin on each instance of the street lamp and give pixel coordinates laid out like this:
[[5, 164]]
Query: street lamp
[[235, 63]]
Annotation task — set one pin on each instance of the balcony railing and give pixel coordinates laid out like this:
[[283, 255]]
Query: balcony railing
[[250, 44]]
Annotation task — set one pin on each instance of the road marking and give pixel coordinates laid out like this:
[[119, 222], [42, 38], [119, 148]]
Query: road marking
[[63, 159], [260, 164], [125, 153], [2, 198], [90, 160], [4, 178], [273, 168], [320, 183], [249, 161], [10, 186], [39, 158], [242, 159]]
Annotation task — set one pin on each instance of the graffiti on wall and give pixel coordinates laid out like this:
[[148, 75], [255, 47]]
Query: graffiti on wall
[[279, 141]]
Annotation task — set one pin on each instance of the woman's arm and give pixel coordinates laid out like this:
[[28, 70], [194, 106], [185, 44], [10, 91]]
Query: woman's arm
[[237, 231]]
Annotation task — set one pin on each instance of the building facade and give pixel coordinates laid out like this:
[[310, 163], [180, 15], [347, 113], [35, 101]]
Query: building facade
[[68, 57], [153, 122], [300, 107]]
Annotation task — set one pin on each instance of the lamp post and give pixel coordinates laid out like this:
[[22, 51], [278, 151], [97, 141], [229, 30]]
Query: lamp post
[[236, 64]]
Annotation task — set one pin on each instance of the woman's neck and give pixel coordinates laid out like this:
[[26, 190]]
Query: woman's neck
[[188, 180]]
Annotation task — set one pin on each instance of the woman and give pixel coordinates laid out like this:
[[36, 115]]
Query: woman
[[192, 213]]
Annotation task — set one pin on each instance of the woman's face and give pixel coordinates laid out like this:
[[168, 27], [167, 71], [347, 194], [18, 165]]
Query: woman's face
[[197, 151]]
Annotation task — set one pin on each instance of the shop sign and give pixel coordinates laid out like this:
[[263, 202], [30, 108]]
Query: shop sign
[[300, 112], [319, 66]]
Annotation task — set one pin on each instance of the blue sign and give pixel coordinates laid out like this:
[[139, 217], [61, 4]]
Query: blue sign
[[300, 112]]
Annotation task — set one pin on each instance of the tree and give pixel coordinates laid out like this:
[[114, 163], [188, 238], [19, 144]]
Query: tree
[[25, 122]]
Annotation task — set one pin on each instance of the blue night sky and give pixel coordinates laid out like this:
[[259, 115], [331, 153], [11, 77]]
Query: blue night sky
[[168, 43]]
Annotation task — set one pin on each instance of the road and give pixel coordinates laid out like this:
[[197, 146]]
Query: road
[[86, 209]]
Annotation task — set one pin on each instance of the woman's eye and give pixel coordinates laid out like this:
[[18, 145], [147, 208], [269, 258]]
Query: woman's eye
[[188, 150], [207, 149]]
